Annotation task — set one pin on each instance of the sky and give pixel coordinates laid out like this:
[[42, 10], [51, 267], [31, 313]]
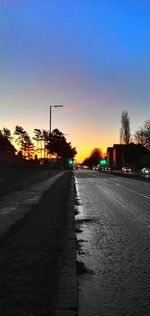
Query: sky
[[92, 56]]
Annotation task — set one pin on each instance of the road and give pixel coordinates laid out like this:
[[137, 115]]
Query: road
[[113, 232]]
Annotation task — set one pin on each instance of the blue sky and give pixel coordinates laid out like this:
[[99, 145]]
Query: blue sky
[[90, 56]]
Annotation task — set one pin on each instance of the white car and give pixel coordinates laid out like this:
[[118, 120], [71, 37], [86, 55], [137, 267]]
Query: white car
[[145, 170]]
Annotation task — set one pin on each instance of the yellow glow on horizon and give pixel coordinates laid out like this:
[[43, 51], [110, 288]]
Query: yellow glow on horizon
[[84, 153], [85, 141]]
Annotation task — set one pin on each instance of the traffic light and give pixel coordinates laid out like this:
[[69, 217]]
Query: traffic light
[[70, 162], [103, 162]]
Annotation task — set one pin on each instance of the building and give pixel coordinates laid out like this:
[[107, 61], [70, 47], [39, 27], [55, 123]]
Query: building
[[133, 155]]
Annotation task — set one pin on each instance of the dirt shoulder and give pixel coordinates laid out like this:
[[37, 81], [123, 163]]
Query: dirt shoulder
[[32, 254]]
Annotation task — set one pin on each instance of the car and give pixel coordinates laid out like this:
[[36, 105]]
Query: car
[[105, 169], [126, 169], [95, 168], [145, 170]]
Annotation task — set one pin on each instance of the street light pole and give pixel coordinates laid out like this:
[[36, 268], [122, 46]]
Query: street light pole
[[50, 118], [50, 128], [50, 114]]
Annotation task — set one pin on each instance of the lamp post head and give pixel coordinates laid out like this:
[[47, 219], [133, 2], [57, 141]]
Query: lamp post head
[[58, 106]]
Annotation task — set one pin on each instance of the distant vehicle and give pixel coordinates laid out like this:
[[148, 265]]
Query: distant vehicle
[[105, 169], [95, 168], [145, 170], [126, 169]]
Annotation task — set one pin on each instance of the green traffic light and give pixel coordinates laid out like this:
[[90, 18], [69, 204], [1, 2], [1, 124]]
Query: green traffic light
[[103, 162], [70, 161]]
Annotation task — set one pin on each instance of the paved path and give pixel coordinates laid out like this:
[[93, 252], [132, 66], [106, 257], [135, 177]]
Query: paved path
[[37, 250]]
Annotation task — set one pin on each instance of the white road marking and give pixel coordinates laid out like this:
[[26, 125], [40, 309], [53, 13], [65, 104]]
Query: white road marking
[[145, 196], [122, 186]]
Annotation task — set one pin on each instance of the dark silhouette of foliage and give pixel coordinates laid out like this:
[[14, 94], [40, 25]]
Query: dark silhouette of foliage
[[7, 133], [20, 133], [41, 137], [125, 132], [38, 137], [37, 134], [24, 141], [142, 135], [93, 159], [5, 140], [28, 147], [54, 143], [58, 146], [46, 136], [57, 143]]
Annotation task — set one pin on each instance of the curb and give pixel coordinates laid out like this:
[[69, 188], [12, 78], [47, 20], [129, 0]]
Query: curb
[[67, 296]]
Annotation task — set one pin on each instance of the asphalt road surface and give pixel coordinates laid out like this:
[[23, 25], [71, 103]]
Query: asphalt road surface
[[113, 228]]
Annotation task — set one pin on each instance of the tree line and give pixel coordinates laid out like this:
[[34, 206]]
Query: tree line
[[94, 158], [43, 144], [141, 135]]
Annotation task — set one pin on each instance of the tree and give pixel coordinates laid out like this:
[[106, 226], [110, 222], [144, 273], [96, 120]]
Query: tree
[[93, 159], [58, 146], [41, 136], [125, 132], [142, 135], [28, 147], [45, 136], [20, 133], [5, 140], [38, 137], [7, 133], [57, 143], [24, 141]]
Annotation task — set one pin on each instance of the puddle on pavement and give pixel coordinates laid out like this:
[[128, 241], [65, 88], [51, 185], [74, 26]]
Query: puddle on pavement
[[79, 247], [82, 235], [82, 268], [78, 230], [88, 267]]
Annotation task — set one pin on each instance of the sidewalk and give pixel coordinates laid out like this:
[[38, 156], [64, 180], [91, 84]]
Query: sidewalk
[[15, 205], [38, 253]]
